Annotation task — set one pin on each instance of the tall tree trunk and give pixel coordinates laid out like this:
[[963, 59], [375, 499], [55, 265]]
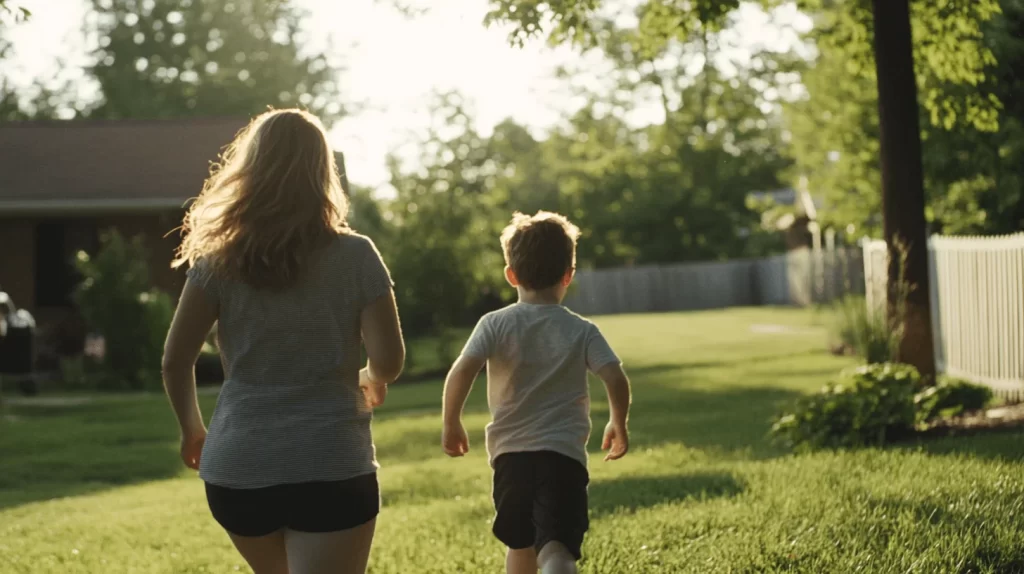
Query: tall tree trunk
[[902, 182]]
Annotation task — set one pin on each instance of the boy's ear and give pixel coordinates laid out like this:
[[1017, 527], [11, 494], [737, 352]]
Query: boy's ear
[[510, 276], [568, 277]]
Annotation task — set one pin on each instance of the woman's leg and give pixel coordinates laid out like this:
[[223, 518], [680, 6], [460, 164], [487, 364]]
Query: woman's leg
[[265, 554], [341, 552]]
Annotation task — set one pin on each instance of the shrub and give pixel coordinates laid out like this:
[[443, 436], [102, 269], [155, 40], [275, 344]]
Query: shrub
[[865, 406], [950, 398], [209, 369], [866, 333], [117, 303]]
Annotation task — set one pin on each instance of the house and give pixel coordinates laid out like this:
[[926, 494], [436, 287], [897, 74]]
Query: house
[[794, 212], [62, 183]]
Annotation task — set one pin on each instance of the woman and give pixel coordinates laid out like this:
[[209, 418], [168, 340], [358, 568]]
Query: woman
[[288, 461]]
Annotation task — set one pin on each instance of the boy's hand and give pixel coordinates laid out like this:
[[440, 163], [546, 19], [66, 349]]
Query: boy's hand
[[616, 441], [373, 391], [192, 447], [454, 439]]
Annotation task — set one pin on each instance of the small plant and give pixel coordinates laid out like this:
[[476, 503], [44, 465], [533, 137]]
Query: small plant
[[865, 332], [864, 406], [447, 339], [950, 398], [118, 304], [874, 331]]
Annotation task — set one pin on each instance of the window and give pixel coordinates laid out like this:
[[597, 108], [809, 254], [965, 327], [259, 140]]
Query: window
[[55, 276]]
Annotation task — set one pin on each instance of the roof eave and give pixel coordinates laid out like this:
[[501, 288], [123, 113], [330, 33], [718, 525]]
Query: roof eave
[[9, 207]]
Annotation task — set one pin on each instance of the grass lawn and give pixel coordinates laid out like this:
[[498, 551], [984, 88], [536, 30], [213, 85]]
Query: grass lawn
[[98, 488]]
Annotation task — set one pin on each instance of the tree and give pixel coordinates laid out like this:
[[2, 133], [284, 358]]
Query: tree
[[9, 8], [951, 45], [177, 58], [39, 101], [969, 119], [903, 183], [441, 233]]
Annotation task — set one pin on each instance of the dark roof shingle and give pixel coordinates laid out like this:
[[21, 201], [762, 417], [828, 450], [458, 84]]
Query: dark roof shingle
[[110, 162]]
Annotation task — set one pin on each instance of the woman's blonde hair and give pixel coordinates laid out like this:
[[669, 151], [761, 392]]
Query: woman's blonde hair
[[272, 200]]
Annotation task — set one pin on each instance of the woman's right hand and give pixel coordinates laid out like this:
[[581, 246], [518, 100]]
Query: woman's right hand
[[375, 392], [192, 443]]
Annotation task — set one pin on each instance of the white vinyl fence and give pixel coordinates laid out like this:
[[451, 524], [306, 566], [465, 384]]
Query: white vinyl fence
[[977, 306], [801, 277]]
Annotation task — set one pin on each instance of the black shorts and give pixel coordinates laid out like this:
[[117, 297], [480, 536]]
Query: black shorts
[[540, 497], [305, 507]]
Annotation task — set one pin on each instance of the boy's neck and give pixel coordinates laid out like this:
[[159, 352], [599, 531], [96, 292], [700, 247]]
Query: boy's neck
[[552, 296]]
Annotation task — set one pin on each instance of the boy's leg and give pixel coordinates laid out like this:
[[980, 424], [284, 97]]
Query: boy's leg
[[522, 561], [514, 495], [555, 558], [560, 512]]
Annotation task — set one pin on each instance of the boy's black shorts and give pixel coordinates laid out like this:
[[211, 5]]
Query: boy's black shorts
[[540, 497], [306, 507]]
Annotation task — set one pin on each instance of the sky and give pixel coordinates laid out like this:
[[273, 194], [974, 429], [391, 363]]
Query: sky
[[394, 64]]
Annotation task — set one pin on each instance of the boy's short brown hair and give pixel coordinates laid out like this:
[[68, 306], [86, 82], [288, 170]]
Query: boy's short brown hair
[[540, 248]]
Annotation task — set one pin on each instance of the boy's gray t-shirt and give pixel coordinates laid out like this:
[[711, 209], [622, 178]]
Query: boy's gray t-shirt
[[537, 362]]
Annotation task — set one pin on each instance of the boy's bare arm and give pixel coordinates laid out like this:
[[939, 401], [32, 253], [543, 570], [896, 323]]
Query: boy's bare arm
[[456, 391], [616, 435]]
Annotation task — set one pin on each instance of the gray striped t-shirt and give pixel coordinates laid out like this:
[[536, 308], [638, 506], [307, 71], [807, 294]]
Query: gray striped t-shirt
[[291, 409]]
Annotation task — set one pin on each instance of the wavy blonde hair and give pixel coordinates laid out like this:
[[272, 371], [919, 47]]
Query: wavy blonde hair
[[272, 200]]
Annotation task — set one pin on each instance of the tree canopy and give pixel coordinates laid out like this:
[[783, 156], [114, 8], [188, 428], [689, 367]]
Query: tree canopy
[[177, 58]]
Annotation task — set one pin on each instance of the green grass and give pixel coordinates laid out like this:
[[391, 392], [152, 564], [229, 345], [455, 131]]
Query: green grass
[[97, 488]]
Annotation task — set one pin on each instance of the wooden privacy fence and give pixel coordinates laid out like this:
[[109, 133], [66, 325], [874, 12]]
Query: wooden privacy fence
[[800, 277], [977, 306]]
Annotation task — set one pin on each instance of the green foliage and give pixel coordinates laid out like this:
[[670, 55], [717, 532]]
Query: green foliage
[[658, 194], [439, 233], [117, 302], [177, 58], [950, 398], [966, 54], [865, 406], [674, 191], [865, 332], [575, 20], [75, 373]]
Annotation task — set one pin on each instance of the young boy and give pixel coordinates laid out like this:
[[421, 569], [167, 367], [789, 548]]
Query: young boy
[[537, 354]]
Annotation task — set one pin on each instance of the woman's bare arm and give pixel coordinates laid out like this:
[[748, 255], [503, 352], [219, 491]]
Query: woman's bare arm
[[193, 320], [382, 337]]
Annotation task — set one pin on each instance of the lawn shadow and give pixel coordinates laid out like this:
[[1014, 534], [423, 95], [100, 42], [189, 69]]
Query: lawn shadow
[[1005, 445], [53, 451], [735, 420], [632, 493], [751, 360]]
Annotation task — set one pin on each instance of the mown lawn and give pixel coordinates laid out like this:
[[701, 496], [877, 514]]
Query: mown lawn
[[97, 487]]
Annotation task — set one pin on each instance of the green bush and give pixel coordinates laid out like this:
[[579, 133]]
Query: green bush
[[950, 398], [865, 406], [866, 333], [118, 303]]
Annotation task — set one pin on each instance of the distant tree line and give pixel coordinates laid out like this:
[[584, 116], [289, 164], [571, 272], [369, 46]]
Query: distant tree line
[[675, 190]]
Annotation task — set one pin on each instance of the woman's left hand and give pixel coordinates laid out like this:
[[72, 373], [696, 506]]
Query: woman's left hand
[[375, 392], [192, 448]]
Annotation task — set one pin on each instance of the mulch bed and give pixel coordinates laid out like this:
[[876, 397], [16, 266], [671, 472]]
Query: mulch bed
[[1004, 418]]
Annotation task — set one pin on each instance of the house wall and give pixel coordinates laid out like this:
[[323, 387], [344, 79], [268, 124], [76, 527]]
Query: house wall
[[18, 252]]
